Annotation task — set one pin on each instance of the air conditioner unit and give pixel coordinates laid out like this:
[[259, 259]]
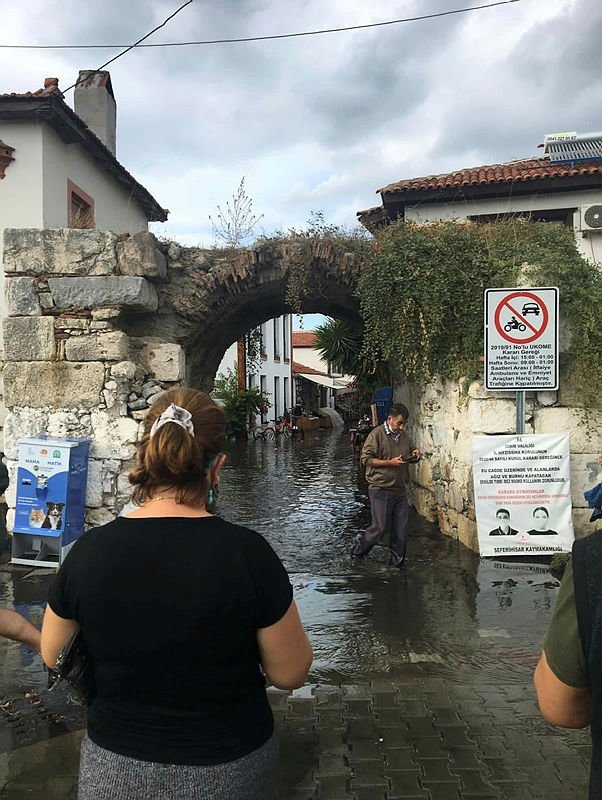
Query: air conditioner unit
[[591, 218]]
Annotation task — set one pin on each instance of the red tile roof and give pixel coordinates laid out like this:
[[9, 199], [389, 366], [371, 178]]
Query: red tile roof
[[301, 368], [51, 87], [304, 339], [530, 169]]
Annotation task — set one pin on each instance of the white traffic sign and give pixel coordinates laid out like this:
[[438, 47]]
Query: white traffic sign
[[521, 339]]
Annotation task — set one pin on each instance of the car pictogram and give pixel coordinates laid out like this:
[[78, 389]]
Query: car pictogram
[[531, 308]]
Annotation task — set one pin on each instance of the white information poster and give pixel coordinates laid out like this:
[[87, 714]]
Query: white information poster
[[523, 494]]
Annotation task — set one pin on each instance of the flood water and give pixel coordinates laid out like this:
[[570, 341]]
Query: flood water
[[478, 621], [447, 606]]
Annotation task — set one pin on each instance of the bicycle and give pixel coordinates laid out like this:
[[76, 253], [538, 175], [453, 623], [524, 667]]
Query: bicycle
[[288, 429], [266, 433]]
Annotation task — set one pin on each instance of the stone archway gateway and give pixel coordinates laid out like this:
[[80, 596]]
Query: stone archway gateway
[[97, 324]]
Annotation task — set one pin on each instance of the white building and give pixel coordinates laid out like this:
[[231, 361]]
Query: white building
[[58, 167], [550, 189], [274, 376], [317, 382]]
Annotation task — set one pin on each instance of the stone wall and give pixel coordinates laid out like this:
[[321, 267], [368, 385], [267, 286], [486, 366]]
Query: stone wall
[[99, 325], [444, 419], [71, 370]]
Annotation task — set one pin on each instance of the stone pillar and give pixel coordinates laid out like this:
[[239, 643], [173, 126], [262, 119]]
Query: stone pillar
[[71, 370]]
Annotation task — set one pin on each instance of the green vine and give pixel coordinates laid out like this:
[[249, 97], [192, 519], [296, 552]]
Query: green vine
[[421, 295]]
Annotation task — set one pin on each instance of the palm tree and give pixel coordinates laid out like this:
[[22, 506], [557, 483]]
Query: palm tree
[[340, 344]]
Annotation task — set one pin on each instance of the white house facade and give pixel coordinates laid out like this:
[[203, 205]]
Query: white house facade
[[274, 374], [58, 167], [317, 383], [542, 189]]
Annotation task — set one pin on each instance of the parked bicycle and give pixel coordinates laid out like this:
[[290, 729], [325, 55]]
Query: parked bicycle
[[266, 433]]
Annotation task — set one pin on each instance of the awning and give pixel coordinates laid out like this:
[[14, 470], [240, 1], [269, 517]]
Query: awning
[[324, 380]]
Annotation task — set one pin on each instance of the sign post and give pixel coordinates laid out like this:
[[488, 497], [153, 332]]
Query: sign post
[[521, 341]]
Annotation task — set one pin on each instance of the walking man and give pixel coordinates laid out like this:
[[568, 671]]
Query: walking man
[[386, 454]]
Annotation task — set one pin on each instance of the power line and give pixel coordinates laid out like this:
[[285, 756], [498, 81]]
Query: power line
[[254, 38], [131, 47]]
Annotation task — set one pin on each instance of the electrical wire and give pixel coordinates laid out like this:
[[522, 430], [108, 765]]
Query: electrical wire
[[252, 38], [131, 47]]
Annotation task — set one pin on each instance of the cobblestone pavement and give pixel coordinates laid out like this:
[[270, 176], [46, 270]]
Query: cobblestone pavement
[[418, 736]]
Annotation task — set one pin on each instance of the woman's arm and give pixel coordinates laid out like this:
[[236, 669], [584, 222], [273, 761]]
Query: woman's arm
[[55, 635], [562, 705], [14, 626], [285, 651]]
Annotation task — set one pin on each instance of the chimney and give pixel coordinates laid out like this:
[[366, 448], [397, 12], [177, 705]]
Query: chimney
[[95, 104]]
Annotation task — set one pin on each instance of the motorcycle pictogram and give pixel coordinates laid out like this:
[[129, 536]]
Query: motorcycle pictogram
[[514, 325]]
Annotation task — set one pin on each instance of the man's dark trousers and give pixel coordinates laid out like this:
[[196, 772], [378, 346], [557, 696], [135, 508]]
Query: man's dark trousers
[[389, 511]]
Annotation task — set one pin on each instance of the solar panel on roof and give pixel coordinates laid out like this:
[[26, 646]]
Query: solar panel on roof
[[563, 147]]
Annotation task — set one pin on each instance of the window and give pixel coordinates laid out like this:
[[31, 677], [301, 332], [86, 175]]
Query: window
[[555, 216], [264, 339], [252, 381], [276, 398], [287, 394], [286, 337], [276, 340], [80, 207], [264, 391]]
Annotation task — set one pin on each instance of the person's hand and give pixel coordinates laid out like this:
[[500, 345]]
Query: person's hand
[[416, 453], [398, 461]]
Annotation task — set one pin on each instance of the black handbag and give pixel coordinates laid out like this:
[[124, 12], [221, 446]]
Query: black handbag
[[74, 665]]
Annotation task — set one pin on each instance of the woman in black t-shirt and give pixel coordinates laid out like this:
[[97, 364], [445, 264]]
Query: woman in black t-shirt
[[183, 614]]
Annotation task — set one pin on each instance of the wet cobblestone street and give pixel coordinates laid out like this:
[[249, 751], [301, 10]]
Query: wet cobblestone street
[[421, 685]]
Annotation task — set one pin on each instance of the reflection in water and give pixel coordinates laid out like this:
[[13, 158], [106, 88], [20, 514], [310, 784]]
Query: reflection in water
[[448, 606], [309, 500]]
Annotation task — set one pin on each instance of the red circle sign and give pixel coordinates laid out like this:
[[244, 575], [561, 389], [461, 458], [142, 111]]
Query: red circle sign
[[518, 319]]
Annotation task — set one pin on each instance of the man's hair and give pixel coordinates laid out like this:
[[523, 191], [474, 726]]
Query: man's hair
[[541, 508], [398, 410], [502, 511]]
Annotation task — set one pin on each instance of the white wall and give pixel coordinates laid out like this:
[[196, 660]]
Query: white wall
[[21, 203], [588, 243], [270, 367], [114, 209]]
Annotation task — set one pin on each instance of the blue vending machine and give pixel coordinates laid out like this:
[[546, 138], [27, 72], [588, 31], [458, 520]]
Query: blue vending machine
[[51, 499]]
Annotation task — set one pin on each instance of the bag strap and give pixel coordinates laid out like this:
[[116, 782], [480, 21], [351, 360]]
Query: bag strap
[[582, 596]]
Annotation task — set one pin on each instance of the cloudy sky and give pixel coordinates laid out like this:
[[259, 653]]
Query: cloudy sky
[[316, 123]]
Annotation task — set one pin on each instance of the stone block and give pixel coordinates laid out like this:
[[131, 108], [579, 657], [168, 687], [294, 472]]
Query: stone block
[[492, 416], [423, 501], [107, 346], [22, 299], [581, 523], [467, 533], [96, 517], [581, 424], [22, 422], [140, 255], [69, 424], [586, 472], [29, 339], [423, 473], [456, 496], [547, 398], [94, 491], [58, 383], [114, 437], [59, 251], [75, 294], [124, 370], [165, 361]]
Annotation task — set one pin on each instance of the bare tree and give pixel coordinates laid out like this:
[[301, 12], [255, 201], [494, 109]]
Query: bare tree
[[235, 223]]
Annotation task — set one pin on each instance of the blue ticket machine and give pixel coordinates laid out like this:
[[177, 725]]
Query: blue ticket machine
[[51, 499]]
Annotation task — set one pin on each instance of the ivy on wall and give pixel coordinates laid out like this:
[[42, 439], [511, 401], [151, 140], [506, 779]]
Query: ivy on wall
[[421, 295]]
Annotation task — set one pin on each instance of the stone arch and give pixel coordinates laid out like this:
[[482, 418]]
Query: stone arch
[[97, 325]]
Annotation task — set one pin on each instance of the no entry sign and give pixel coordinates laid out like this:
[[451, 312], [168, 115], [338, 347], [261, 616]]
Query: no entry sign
[[521, 339]]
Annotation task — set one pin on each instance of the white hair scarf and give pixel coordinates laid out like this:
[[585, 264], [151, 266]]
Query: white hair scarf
[[177, 415]]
